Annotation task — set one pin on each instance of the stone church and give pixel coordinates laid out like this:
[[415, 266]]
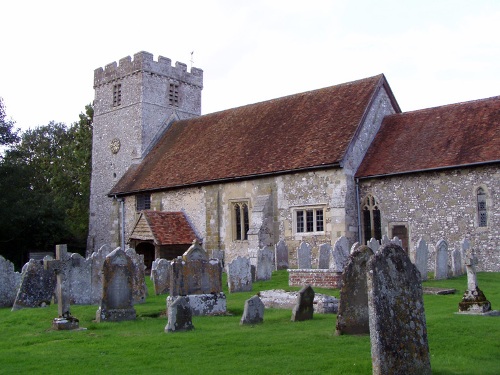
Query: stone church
[[338, 161]]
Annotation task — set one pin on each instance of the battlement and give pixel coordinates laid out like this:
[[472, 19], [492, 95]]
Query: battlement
[[143, 61]]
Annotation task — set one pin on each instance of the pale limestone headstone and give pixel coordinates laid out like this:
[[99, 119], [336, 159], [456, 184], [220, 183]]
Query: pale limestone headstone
[[139, 288], [264, 267], [160, 276], [239, 275], [179, 316], [117, 294], [304, 256], [421, 256], [456, 262], [441, 262], [398, 331], [340, 254], [281, 255], [325, 250], [373, 244], [473, 300], [9, 283], [352, 317], [385, 240], [304, 308], [195, 252], [253, 312], [465, 246], [354, 246], [80, 274], [397, 241]]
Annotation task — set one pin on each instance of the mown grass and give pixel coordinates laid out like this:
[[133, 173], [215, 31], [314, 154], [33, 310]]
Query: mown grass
[[459, 344]]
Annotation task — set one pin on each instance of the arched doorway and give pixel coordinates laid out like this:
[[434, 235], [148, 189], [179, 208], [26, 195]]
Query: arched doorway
[[148, 250]]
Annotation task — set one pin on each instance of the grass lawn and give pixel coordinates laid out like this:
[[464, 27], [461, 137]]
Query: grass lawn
[[459, 344]]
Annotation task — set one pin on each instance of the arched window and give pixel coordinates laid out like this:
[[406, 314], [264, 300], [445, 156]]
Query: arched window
[[482, 217], [371, 219], [240, 221]]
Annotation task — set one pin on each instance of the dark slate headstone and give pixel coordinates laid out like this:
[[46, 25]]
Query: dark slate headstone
[[253, 312], [304, 308], [179, 316], [352, 317], [281, 255], [398, 331], [117, 293]]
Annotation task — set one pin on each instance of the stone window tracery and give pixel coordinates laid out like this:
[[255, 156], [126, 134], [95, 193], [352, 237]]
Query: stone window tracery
[[240, 221], [372, 227], [482, 214]]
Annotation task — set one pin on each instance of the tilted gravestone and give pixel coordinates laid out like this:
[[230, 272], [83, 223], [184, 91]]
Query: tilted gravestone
[[253, 312], [473, 301], [160, 276], [117, 291], [139, 288], [340, 254], [281, 255], [456, 262], [441, 264], [398, 331], [421, 255], [9, 283], [304, 256], [304, 308], [179, 316], [239, 275], [324, 256], [352, 317], [264, 267]]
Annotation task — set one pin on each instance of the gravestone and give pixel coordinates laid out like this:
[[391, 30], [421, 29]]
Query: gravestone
[[179, 316], [304, 256], [441, 263], [340, 254], [421, 256], [253, 312], [324, 255], [385, 240], [96, 278], [465, 247], [264, 267], [160, 276], [456, 262], [395, 240], [219, 255], [355, 246], [9, 283], [61, 266], [281, 255], [304, 308], [373, 244], [398, 331], [353, 317], [117, 290], [473, 301], [239, 275], [37, 286], [195, 252], [139, 288], [79, 276]]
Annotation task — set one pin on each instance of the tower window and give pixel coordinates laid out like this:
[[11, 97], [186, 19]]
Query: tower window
[[143, 202], [481, 208], [173, 94], [240, 221], [117, 95], [372, 227]]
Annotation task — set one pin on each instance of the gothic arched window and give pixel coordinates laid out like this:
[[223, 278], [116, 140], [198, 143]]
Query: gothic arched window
[[482, 217], [372, 226], [240, 221]]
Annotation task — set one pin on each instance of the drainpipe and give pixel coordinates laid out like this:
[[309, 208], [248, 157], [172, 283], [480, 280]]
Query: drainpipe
[[359, 210], [122, 222]]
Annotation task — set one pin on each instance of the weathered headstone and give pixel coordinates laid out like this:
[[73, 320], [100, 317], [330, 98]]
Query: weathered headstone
[[340, 254], [304, 308], [324, 255], [465, 247], [160, 276], [253, 312], [385, 240], [441, 263], [195, 252], [456, 262], [9, 283], [473, 301], [398, 331], [264, 267], [304, 256], [373, 244], [353, 317], [97, 259], [195, 277], [80, 283], [139, 288], [395, 240], [421, 255], [117, 296], [219, 255], [179, 316], [239, 275], [37, 286], [281, 255], [61, 266], [354, 246]]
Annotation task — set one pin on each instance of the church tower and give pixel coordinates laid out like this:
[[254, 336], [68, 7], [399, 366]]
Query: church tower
[[135, 101]]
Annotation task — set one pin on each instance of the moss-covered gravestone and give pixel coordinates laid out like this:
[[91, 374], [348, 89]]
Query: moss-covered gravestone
[[473, 301]]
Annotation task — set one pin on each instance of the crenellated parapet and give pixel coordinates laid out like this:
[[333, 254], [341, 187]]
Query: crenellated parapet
[[144, 62]]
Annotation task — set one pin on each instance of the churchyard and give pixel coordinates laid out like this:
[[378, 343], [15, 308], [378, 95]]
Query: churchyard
[[459, 344]]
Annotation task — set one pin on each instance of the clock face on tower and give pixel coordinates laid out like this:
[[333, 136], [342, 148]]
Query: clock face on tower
[[115, 146]]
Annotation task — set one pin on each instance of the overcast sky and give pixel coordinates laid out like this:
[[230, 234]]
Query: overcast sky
[[432, 52]]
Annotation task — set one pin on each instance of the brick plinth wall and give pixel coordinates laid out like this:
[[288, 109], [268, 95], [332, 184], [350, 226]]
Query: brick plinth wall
[[321, 278]]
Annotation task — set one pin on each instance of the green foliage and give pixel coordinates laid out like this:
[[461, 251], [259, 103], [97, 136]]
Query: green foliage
[[459, 344], [7, 133]]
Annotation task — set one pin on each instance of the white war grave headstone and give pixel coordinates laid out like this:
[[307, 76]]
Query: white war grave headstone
[[441, 264]]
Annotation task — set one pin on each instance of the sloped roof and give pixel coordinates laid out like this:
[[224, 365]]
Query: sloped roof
[[297, 132], [448, 136], [165, 228]]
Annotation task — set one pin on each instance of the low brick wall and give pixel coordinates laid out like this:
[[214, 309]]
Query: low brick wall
[[321, 278]]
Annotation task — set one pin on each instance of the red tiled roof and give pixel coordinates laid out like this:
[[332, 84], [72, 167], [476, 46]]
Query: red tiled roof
[[296, 132], [447, 136], [169, 228]]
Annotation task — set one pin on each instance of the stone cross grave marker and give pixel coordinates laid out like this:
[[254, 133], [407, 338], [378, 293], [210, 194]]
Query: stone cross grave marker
[[60, 266], [473, 300], [441, 265]]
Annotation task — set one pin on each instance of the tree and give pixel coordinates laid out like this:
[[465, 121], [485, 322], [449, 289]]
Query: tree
[[7, 133]]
